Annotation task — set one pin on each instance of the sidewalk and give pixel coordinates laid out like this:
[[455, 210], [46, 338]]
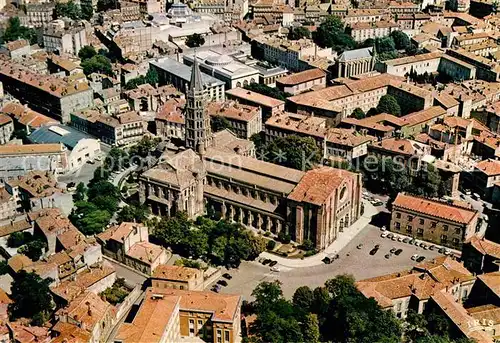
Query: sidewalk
[[342, 240]]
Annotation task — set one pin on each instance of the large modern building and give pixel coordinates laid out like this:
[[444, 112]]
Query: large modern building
[[172, 72], [315, 205], [224, 68]]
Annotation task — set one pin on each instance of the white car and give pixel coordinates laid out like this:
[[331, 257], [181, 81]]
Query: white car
[[383, 228], [275, 269], [400, 238], [414, 257], [447, 251], [384, 234]]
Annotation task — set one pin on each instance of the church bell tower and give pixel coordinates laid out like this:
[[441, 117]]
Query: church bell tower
[[198, 131]]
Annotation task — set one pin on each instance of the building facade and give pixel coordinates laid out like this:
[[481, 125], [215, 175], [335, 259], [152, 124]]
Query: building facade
[[434, 221]]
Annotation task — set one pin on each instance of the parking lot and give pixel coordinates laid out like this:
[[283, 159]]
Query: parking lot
[[352, 260]]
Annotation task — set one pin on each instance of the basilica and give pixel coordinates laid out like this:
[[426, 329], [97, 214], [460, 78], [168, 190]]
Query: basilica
[[217, 174]]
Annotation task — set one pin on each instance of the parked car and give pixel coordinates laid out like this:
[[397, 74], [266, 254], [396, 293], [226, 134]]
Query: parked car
[[422, 244], [377, 246], [383, 228], [273, 263], [426, 247], [387, 256], [432, 247], [373, 251], [400, 239], [359, 246], [377, 203], [390, 235], [414, 257], [441, 250], [447, 251], [275, 269], [330, 258], [222, 283], [420, 258], [398, 252], [216, 288], [227, 276], [392, 251], [385, 234], [266, 261], [394, 238], [406, 240]]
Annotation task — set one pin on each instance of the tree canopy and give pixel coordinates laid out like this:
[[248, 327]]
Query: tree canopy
[[87, 52], [151, 78], [296, 33], [358, 113], [31, 298], [220, 242], [219, 123], [97, 64], [401, 39], [331, 34], [15, 31], [389, 104], [68, 9], [133, 213], [195, 40], [293, 151], [337, 312]]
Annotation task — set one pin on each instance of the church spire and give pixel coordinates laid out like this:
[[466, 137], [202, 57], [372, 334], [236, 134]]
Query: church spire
[[196, 81]]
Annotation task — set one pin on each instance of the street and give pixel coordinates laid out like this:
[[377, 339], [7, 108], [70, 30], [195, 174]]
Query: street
[[353, 261]]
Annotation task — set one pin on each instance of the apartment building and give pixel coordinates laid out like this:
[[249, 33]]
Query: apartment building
[[170, 121], [179, 314], [362, 31], [128, 243], [8, 204], [413, 289], [64, 40], [286, 53], [6, 128], [177, 277], [268, 105], [485, 175], [420, 64], [121, 129], [481, 255], [47, 94], [365, 15], [244, 120], [302, 81], [442, 223], [148, 98], [38, 14], [17, 49]]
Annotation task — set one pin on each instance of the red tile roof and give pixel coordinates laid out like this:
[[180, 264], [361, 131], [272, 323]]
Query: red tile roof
[[435, 208], [489, 167], [303, 76]]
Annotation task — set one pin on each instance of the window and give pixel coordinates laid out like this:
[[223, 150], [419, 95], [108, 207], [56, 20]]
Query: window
[[444, 238], [433, 224], [397, 226], [410, 218], [458, 231], [408, 229], [226, 336], [398, 215], [445, 227], [421, 221]]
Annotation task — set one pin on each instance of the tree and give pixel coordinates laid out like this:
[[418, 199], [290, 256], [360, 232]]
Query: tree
[[310, 328], [294, 152], [296, 33], [16, 239], [388, 104], [116, 160], [135, 82], [97, 64], [133, 213], [331, 34], [385, 44], [415, 326], [195, 40], [401, 39], [80, 192], [411, 49], [87, 12], [144, 147], [268, 91], [87, 52], [303, 298], [88, 218], [358, 113], [341, 286], [16, 31], [427, 181], [105, 5], [152, 77], [33, 249], [31, 297], [219, 123], [68, 9]]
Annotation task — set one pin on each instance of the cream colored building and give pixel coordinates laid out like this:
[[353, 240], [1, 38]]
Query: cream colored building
[[424, 63], [177, 277], [356, 62], [362, 31], [244, 120]]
